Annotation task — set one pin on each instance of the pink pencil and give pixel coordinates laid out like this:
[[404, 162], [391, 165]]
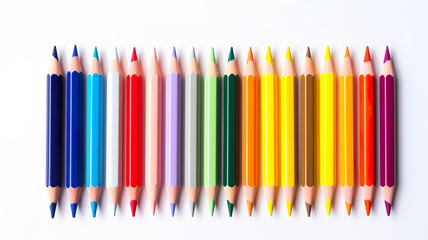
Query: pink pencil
[[153, 130]]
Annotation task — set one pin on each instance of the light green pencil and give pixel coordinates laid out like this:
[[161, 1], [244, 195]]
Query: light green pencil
[[211, 131]]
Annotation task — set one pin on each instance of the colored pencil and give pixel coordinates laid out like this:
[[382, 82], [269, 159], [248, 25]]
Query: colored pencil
[[327, 130], [192, 131], [387, 131], [114, 131], [54, 131], [307, 134], [74, 134], [288, 133], [173, 102], [94, 131], [134, 120], [270, 127], [211, 131], [346, 105], [153, 131], [366, 110], [250, 131], [230, 130]]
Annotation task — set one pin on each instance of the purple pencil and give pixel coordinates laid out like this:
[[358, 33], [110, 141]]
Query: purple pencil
[[387, 167], [173, 139]]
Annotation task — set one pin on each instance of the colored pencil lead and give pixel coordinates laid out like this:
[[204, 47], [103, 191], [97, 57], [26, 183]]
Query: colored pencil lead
[[387, 56], [53, 205], [250, 55], [212, 56], [328, 206], [288, 55], [348, 208], [388, 208], [289, 207], [116, 56], [174, 54], [231, 55], [211, 204], [367, 55], [114, 209], [75, 54], [270, 207], [308, 53], [134, 55], [250, 208], [193, 55], [269, 55], [172, 205], [308, 209], [133, 204], [327, 53], [73, 209], [96, 53], [230, 208], [55, 53], [153, 206], [192, 208], [94, 208], [346, 52], [367, 204]]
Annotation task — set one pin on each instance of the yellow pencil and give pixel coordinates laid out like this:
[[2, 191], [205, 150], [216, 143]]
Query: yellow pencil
[[346, 101], [288, 135], [269, 106], [327, 122]]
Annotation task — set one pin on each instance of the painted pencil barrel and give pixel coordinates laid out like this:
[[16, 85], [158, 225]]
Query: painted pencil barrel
[[327, 129], [113, 129], [173, 103], [346, 95], [192, 129], [387, 171], [287, 106], [230, 111], [94, 129], [211, 139], [366, 107], [54, 127], [307, 103], [74, 155]]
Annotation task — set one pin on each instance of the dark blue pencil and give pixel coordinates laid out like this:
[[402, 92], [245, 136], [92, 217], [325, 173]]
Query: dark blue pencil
[[74, 146], [54, 131]]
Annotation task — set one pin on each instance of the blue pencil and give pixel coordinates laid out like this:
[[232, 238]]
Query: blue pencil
[[94, 132], [74, 146], [54, 131]]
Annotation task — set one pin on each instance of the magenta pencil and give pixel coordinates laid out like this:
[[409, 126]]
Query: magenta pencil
[[173, 102], [387, 130]]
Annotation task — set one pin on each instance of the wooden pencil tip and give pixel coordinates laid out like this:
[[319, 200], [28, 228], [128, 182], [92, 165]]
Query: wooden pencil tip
[[288, 55], [327, 53], [367, 57], [231, 55], [250, 55], [96, 53], [134, 55], [75, 54], [387, 56], [212, 56], [308, 53], [346, 52], [269, 55], [55, 53]]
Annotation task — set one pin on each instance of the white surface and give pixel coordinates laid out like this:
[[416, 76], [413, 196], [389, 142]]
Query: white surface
[[29, 30]]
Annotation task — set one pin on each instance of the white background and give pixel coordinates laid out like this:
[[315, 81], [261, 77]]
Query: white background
[[29, 29]]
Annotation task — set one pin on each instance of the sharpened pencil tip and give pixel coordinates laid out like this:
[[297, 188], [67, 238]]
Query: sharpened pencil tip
[[230, 208], [94, 208], [53, 209], [270, 207], [172, 205], [346, 52], [212, 56], [328, 207], [116, 56], [114, 209], [250, 55], [327, 53], [73, 209], [348, 208], [231, 55], [289, 207], [75, 54], [133, 204], [134, 55], [193, 54], [269, 55], [368, 205], [250, 208], [388, 208], [211, 204], [308, 53], [192, 208], [55, 53], [288, 55], [387, 56], [308, 209], [155, 56], [96, 53], [174, 54], [367, 57], [153, 205]]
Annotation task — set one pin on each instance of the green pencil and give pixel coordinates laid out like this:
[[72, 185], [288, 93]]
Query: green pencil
[[230, 128], [211, 133]]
